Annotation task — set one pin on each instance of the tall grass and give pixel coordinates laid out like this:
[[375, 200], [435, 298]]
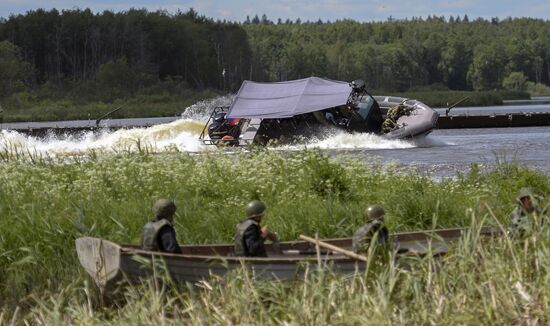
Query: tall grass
[[475, 284], [46, 203]]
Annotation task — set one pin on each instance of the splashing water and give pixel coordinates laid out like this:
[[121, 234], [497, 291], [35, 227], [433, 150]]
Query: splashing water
[[181, 134], [430, 141], [201, 110], [344, 140]]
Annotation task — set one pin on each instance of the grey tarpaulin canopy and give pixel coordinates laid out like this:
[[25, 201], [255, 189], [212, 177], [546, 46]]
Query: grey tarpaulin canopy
[[287, 99]]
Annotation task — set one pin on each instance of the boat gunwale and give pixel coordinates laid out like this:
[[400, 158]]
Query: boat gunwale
[[426, 235]]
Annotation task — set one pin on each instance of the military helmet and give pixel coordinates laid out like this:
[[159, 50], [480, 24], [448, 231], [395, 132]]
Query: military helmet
[[524, 192], [374, 212], [164, 208], [255, 208]]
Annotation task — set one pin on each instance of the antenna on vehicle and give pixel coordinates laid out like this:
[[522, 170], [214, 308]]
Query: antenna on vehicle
[[106, 115], [454, 105], [358, 85], [358, 88]]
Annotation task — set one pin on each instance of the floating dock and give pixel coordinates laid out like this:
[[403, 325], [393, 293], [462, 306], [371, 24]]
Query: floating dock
[[498, 120]]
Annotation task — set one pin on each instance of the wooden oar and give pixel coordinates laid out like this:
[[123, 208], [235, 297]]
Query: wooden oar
[[343, 251]]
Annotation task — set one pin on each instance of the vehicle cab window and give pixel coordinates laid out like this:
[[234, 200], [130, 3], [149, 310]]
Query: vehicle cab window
[[365, 106]]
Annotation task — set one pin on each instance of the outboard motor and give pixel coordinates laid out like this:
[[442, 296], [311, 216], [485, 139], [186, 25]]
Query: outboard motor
[[222, 128]]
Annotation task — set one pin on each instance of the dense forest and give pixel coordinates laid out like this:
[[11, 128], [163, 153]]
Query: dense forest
[[397, 55], [85, 56], [132, 49]]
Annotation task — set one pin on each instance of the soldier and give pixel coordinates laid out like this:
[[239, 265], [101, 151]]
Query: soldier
[[393, 114], [374, 217], [249, 237], [159, 234], [388, 125], [526, 214]]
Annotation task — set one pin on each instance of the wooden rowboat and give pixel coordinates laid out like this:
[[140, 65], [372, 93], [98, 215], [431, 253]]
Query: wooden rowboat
[[108, 262]]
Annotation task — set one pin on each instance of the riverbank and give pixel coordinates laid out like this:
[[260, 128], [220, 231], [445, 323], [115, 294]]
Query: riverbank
[[25, 107], [109, 196]]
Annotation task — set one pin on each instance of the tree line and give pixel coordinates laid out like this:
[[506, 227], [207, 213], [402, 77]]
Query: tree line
[[397, 55], [129, 51]]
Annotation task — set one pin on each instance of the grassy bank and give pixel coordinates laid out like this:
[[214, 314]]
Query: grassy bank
[[29, 107], [45, 204], [38, 107]]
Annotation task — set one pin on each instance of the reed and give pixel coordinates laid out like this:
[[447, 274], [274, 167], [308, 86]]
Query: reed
[[45, 204]]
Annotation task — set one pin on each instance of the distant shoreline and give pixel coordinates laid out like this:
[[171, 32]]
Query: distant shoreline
[[144, 106]]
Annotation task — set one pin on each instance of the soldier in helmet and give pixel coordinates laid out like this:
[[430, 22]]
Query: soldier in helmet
[[159, 234], [526, 214], [374, 217], [249, 237]]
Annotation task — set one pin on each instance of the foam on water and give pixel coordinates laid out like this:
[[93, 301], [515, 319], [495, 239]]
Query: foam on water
[[182, 134], [344, 140]]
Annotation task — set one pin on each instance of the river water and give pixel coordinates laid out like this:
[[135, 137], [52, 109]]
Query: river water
[[440, 154], [443, 152]]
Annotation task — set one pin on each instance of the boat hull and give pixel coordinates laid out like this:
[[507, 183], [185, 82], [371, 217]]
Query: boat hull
[[109, 263], [421, 121]]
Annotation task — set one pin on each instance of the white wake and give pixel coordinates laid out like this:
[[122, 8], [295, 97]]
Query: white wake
[[183, 135], [344, 140], [180, 134]]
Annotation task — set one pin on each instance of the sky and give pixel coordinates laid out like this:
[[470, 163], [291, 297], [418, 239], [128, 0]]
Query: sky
[[360, 10]]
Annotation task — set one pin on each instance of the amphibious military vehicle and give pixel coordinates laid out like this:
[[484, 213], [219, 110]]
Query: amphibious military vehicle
[[297, 109]]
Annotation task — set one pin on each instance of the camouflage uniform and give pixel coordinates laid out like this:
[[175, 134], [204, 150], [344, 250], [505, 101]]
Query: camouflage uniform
[[394, 113], [249, 241], [363, 237], [521, 220], [388, 125], [159, 234]]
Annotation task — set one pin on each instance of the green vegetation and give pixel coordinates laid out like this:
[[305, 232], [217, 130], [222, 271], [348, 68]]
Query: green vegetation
[[65, 65], [397, 55], [538, 89], [46, 202], [14, 71], [146, 103], [515, 81]]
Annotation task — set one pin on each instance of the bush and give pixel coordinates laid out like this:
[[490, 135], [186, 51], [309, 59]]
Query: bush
[[538, 89], [516, 81]]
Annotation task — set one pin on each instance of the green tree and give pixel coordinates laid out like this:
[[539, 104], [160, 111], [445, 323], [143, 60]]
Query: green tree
[[515, 81], [14, 71], [453, 64], [487, 69], [115, 78]]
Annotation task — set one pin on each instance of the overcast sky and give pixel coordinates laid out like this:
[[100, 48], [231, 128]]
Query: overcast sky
[[361, 10]]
